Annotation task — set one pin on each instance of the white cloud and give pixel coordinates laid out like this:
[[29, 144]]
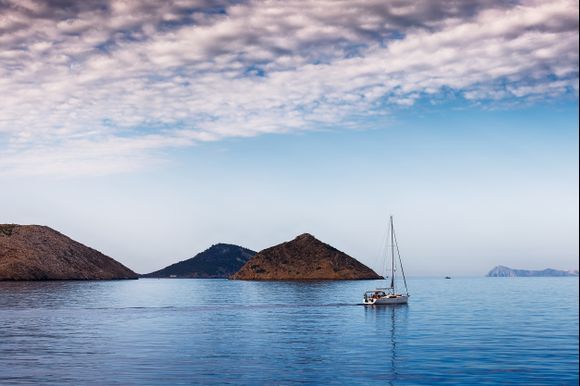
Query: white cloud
[[102, 87]]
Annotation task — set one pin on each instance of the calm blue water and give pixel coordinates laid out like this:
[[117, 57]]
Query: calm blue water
[[459, 331]]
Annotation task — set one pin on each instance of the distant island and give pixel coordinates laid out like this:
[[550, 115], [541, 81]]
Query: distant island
[[35, 252], [218, 261], [304, 258], [502, 271]]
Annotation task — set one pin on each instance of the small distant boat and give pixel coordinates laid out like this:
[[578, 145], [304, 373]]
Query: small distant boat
[[389, 295], [448, 277]]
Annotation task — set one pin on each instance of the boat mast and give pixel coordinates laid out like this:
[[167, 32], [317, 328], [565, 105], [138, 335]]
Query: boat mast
[[401, 263], [392, 255]]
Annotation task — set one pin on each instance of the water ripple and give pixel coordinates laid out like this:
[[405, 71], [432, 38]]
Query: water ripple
[[463, 331]]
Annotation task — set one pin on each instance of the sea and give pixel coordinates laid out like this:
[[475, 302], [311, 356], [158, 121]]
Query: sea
[[463, 331]]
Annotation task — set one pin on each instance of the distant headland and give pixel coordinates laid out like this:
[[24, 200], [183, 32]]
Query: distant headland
[[35, 252], [502, 271]]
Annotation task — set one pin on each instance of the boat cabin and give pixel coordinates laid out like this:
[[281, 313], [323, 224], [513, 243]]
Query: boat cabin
[[376, 294]]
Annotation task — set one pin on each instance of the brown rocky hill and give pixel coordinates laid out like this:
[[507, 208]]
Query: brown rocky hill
[[34, 252], [304, 258]]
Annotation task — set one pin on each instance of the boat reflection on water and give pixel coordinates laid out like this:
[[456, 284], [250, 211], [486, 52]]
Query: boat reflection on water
[[390, 324]]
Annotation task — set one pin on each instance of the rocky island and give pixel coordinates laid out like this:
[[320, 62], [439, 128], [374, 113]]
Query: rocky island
[[35, 252], [218, 261], [502, 271], [304, 258]]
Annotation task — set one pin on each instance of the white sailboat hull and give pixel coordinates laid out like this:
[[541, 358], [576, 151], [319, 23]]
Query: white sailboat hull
[[387, 300]]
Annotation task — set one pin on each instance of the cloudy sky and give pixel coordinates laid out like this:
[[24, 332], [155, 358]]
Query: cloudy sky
[[150, 130]]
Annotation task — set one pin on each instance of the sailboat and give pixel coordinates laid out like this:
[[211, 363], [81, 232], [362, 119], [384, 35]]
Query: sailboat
[[389, 295]]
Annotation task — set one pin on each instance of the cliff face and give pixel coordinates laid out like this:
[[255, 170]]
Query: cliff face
[[304, 258], [502, 271], [34, 252], [218, 261]]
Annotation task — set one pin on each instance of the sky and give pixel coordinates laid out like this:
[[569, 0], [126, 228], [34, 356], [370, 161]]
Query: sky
[[151, 130]]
